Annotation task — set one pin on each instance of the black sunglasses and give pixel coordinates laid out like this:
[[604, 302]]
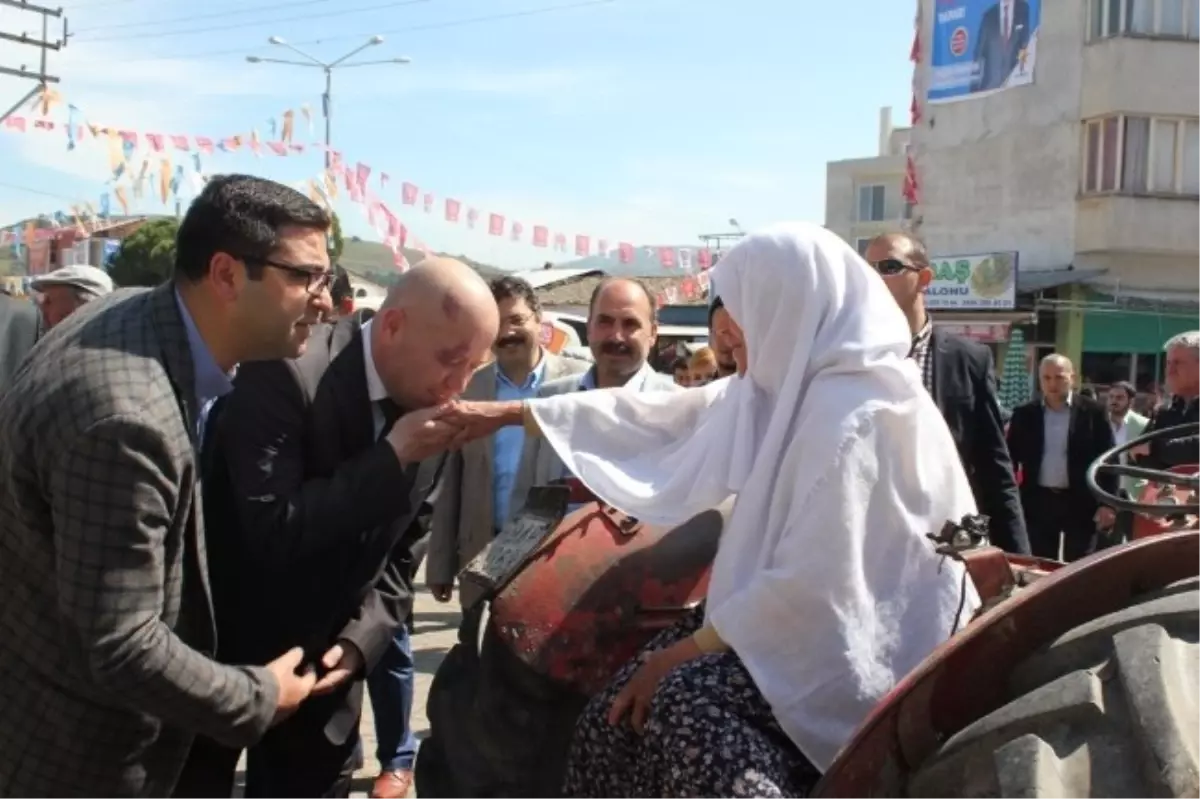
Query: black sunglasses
[[318, 279], [890, 267]]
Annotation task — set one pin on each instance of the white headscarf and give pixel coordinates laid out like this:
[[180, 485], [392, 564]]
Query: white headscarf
[[824, 583]]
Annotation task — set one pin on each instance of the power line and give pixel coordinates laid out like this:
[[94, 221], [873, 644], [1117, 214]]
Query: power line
[[260, 24], [29, 190], [193, 17], [409, 29]]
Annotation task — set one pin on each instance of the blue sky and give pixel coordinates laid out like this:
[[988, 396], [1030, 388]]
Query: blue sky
[[648, 121]]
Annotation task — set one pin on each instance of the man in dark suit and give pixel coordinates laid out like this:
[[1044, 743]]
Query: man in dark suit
[[1054, 440], [958, 374], [1183, 385], [106, 620], [1000, 42], [19, 324], [321, 466]]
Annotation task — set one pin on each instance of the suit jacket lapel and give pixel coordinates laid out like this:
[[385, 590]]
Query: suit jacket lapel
[[941, 355], [177, 353], [348, 382]]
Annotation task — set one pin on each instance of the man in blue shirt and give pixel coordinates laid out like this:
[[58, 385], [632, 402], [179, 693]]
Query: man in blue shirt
[[477, 485]]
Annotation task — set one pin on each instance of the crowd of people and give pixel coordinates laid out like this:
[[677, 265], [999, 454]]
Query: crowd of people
[[215, 495]]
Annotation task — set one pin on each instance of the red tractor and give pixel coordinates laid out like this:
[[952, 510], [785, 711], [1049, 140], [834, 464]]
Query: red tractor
[[1077, 680]]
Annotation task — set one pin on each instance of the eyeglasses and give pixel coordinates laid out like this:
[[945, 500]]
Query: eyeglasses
[[889, 267], [319, 279]]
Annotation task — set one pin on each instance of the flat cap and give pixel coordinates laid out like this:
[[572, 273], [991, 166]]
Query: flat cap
[[80, 276]]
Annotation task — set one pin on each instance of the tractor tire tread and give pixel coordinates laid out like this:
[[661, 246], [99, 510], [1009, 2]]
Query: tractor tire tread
[[1107, 709]]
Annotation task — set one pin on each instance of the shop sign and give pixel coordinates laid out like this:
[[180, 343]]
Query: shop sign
[[973, 282], [983, 332]]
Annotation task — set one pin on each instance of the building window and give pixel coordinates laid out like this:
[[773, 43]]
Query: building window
[[1176, 19], [871, 203], [1141, 155], [861, 245]]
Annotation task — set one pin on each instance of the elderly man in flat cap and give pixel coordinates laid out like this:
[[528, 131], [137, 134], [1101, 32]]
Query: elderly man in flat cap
[[64, 290]]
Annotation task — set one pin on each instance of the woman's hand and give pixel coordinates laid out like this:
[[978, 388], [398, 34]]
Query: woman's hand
[[635, 697]]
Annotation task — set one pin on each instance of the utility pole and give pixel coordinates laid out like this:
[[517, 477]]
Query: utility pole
[[44, 45]]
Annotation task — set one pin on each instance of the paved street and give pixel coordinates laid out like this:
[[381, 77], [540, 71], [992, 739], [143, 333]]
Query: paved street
[[436, 630]]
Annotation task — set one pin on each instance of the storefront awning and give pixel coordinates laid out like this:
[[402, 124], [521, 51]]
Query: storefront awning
[[1033, 281]]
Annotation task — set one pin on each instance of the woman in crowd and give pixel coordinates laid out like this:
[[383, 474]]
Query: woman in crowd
[[824, 592]]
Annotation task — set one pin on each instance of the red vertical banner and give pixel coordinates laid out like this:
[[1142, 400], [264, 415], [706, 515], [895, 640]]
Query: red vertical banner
[[495, 225], [704, 259], [560, 242], [427, 202], [179, 142], [156, 141], [666, 257], [541, 236], [625, 252], [518, 230], [204, 144], [453, 207], [472, 218], [583, 245], [409, 193]]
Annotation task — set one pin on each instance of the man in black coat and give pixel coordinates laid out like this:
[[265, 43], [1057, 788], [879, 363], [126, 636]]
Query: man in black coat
[[1054, 440], [19, 326], [1183, 385], [958, 374], [319, 470]]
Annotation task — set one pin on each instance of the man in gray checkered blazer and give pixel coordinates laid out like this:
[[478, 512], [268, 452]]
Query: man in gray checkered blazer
[[106, 621]]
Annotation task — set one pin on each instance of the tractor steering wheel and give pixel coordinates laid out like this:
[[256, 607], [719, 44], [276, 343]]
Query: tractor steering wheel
[[1110, 463]]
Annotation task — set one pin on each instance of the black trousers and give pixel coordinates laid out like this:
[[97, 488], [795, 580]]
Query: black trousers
[[1050, 512], [292, 760]]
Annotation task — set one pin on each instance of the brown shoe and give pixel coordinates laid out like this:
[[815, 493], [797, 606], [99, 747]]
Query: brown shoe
[[392, 785]]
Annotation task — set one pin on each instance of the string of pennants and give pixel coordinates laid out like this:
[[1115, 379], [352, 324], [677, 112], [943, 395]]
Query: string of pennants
[[132, 155]]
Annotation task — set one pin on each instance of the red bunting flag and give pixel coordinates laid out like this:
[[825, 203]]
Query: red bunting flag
[[495, 225], [541, 236], [911, 189], [409, 193], [583, 245], [453, 207], [704, 258], [427, 202], [179, 142], [156, 141], [560, 242], [129, 136], [625, 252], [204, 144], [666, 257]]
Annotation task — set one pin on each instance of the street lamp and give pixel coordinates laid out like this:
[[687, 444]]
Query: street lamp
[[327, 68]]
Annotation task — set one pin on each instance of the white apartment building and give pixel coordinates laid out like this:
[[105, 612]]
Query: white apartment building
[[1090, 174], [863, 195]]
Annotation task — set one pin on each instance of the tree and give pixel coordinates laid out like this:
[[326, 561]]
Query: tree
[[146, 258], [336, 243]]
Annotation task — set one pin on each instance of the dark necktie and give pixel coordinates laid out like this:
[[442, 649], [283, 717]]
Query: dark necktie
[[391, 412]]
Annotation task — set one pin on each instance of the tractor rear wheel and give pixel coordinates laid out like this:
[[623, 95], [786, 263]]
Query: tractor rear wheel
[[1107, 709]]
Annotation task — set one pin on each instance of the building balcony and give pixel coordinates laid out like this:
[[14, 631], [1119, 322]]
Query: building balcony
[[1129, 223], [1140, 75]]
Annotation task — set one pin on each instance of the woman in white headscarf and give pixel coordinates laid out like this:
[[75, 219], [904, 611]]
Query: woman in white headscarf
[[825, 591]]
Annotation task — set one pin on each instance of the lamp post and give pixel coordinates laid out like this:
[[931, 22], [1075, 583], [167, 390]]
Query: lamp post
[[327, 68]]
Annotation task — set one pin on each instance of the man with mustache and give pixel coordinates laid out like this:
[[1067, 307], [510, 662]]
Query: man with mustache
[[322, 465], [476, 489], [621, 329]]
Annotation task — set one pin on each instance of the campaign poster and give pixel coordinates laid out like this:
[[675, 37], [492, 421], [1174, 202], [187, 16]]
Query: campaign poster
[[981, 47]]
